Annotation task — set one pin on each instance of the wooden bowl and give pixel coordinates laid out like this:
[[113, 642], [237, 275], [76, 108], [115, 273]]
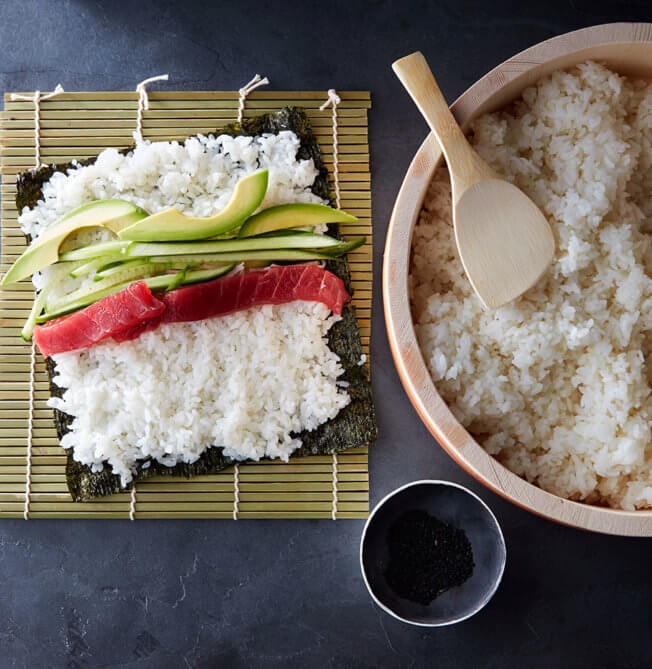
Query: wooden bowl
[[625, 48]]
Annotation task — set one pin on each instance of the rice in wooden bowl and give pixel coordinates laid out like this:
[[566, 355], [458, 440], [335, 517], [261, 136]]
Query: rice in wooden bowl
[[554, 386]]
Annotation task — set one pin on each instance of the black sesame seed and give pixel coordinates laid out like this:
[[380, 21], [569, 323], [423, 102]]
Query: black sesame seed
[[426, 557]]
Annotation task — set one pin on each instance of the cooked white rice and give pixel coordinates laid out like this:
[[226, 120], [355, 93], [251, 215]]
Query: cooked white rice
[[243, 382], [556, 385], [197, 177]]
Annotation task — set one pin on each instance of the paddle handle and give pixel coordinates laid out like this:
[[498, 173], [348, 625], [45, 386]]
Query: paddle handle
[[464, 164]]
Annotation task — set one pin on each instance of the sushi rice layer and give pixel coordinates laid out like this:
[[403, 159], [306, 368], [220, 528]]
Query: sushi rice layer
[[244, 382], [197, 177]]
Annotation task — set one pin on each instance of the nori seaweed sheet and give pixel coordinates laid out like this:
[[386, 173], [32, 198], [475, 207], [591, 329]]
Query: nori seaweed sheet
[[353, 426]]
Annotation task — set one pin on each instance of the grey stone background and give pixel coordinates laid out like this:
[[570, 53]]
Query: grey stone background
[[289, 594]]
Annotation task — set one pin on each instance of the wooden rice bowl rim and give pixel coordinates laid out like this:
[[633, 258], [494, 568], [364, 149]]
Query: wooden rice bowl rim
[[625, 48]]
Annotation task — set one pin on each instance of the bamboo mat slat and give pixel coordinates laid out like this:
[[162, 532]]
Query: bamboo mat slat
[[80, 125]]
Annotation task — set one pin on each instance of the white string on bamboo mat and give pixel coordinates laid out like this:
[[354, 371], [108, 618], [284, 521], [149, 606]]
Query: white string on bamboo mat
[[143, 106], [236, 491], [36, 98], [334, 100], [143, 103], [132, 503], [334, 506], [243, 93], [245, 90], [30, 431]]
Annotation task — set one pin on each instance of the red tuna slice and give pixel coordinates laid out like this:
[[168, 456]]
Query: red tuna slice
[[274, 285], [247, 290], [266, 284], [106, 318], [133, 311], [134, 332]]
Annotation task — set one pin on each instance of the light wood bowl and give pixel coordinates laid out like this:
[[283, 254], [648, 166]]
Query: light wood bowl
[[627, 49]]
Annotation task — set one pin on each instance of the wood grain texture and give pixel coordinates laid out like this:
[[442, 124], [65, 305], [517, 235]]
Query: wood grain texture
[[504, 241], [624, 47], [81, 124]]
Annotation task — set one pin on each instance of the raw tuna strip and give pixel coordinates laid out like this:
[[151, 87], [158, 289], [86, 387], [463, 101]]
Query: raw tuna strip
[[129, 313], [274, 285], [103, 319]]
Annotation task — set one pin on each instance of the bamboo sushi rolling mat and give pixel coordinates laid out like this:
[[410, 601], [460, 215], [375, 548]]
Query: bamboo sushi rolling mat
[[79, 125]]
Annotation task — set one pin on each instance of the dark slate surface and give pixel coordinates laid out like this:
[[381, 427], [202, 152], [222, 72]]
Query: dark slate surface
[[266, 594]]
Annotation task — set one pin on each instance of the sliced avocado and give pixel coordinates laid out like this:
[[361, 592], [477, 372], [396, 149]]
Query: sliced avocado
[[171, 225], [44, 251], [300, 241], [297, 215]]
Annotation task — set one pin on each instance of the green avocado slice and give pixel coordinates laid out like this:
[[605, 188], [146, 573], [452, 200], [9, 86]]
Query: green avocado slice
[[296, 215], [172, 225], [44, 251]]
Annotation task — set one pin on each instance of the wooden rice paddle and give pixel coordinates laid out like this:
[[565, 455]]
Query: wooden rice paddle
[[503, 239]]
